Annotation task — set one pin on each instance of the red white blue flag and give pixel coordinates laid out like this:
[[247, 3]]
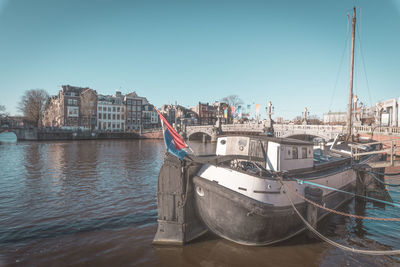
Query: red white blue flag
[[173, 141]]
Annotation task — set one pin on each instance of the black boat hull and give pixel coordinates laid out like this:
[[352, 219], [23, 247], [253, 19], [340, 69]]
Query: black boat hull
[[246, 221]]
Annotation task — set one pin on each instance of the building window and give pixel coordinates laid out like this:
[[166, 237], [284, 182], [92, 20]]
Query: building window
[[69, 101], [99, 108], [118, 117], [122, 109], [303, 152], [104, 125], [109, 109], [75, 102], [295, 152], [104, 109], [113, 109], [122, 125], [99, 116], [113, 125], [104, 116], [118, 109], [122, 116], [113, 116], [109, 116], [109, 125], [117, 125], [133, 108], [139, 108]]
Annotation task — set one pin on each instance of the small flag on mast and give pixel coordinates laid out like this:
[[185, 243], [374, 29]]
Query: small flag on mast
[[173, 141]]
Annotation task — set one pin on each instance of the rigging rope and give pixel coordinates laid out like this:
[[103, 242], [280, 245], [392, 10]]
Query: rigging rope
[[324, 238], [341, 63], [364, 68]]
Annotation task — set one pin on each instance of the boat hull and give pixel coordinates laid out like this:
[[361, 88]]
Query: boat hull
[[246, 221]]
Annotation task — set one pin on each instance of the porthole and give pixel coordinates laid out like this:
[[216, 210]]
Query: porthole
[[223, 142], [200, 191]]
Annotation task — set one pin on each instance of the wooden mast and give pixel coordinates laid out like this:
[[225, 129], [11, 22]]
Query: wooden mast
[[350, 106]]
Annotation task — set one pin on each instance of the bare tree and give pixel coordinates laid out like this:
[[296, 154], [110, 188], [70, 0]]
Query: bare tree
[[3, 112], [232, 100], [32, 105], [89, 107]]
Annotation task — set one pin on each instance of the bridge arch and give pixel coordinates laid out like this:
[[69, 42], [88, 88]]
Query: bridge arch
[[199, 134], [8, 136]]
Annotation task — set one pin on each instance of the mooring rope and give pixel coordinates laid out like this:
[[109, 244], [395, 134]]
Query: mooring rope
[[312, 229], [343, 213], [386, 174], [382, 182], [395, 204]]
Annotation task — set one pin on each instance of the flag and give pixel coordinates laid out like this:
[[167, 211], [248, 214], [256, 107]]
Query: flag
[[257, 109], [233, 111], [225, 113], [173, 141]]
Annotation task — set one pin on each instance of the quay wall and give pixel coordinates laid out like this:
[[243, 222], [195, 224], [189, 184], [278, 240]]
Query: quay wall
[[37, 135]]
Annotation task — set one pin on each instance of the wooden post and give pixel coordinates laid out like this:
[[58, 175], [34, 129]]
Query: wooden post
[[391, 153], [315, 195], [360, 183], [312, 212]]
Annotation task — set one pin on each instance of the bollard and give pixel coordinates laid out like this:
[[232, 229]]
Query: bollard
[[315, 195]]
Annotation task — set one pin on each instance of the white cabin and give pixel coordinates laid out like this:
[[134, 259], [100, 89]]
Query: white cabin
[[278, 154]]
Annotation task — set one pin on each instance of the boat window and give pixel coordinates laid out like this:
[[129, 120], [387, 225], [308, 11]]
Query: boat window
[[223, 142], [295, 152], [303, 152]]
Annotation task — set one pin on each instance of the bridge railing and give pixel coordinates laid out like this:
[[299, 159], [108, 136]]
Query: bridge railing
[[248, 127], [295, 127], [378, 129]]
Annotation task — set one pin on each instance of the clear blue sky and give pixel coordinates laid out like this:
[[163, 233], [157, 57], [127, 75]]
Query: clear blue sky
[[288, 52]]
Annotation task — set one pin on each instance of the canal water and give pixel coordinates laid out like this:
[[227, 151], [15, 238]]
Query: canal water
[[93, 203]]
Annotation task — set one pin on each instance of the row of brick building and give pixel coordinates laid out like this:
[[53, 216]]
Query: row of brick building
[[82, 107]]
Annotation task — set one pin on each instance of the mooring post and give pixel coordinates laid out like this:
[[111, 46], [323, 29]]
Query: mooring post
[[391, 152], [360, 183], [315, 195]]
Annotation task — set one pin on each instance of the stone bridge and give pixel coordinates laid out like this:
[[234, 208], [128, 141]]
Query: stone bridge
[[326, 132], [22, 133]]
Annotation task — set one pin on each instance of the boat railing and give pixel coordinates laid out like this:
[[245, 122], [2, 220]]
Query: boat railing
[[386, 147]]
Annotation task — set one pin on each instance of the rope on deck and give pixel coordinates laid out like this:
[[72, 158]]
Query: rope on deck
[[333, 243]]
